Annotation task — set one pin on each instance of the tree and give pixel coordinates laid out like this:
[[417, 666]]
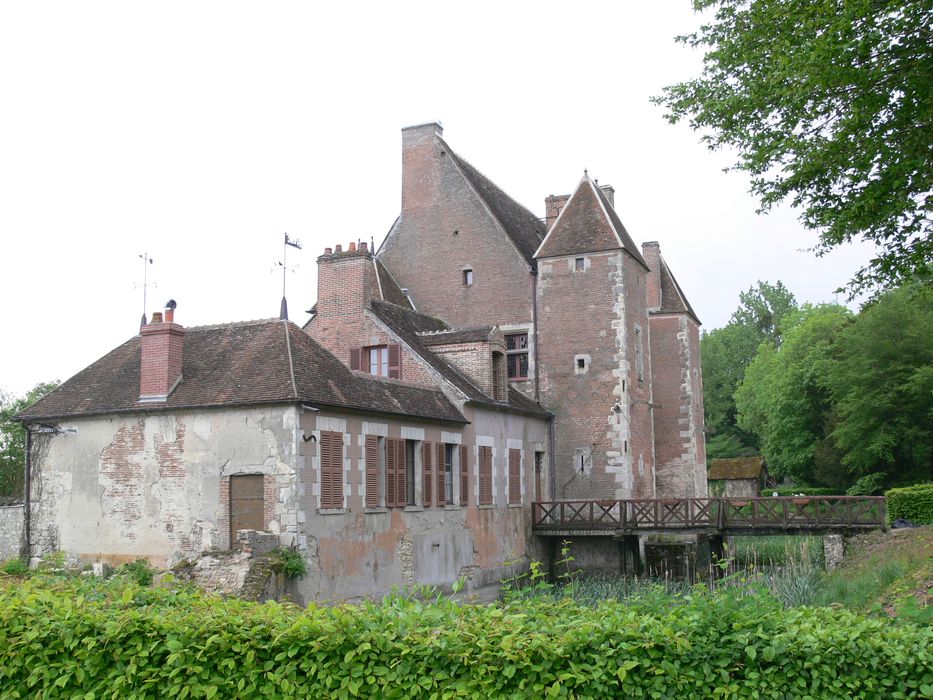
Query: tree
[[13, 438], [783, 398], [881, 381], [828, 103], [726, 353]]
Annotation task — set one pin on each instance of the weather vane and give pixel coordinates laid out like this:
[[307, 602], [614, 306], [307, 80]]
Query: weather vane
[[283, 313], [147, 261]]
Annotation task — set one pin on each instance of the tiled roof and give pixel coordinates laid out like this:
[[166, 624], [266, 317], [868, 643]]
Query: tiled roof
[[524, 228], [583, 227], [256, 362], [673, 300], [391, 292], [412, 326], [456, 336], [736, 468]]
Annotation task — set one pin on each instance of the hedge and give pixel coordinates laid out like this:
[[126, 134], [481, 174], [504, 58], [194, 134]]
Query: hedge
[[805, 490], [913, 503], [76, 641]]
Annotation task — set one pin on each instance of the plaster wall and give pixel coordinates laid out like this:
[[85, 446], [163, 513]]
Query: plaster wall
[[151, 485], [11, 531]]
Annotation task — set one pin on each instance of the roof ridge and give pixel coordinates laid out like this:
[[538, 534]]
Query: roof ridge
[[233, 324]]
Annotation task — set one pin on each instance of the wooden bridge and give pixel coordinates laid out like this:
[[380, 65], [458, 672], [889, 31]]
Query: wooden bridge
[[710, 516]]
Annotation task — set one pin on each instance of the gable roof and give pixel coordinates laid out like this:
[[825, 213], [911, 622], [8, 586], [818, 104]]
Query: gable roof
[[256, 362], [525, 230], [673, 300], [587, 224], [736, 468], [411, 327]]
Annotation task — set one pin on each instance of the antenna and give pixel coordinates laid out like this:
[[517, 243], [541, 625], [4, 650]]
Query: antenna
[[147, 261], [283, 312]]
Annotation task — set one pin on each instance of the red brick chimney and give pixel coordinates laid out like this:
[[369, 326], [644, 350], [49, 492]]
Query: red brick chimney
[[552, 208], [161, 354], [651, 251], [421, 152]]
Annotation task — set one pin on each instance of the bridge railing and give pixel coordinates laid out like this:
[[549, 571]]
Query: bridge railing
[[786, 513]]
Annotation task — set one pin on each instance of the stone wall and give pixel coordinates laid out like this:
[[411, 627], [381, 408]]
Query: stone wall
[[11, 531]]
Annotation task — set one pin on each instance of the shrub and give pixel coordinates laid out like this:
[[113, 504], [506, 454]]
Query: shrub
[[805, 490], [139, 571], [120, 640], [15, 567], [289, 562], [913, 503], [868, 485]]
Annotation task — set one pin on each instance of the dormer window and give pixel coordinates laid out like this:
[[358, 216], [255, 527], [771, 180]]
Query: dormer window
[[516, 345], [378, 360]]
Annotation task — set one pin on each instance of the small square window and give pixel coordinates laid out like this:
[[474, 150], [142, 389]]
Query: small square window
[[578, 264], [468, 278], [581, 363]]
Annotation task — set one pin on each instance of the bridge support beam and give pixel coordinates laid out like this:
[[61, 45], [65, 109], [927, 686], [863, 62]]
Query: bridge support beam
[[833, 550], [632, 555]]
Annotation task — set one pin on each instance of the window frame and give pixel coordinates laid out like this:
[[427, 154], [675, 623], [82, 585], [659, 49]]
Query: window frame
[[517, 353]]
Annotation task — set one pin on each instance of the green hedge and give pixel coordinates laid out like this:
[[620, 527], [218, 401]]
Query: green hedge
[[913, 503], [806, 490], [73, 640]]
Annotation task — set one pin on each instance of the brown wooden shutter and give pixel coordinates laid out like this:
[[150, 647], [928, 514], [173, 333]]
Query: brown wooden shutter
[[515, 476], [395, 362], [441, 474], [391, 468], [427, 473], [331, 469], [485, 475], [372, 471], [355, 358], [401, 461], [464, 476]]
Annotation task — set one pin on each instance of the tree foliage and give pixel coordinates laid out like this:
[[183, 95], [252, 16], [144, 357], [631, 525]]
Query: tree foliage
[[13, 438], [827, 103]]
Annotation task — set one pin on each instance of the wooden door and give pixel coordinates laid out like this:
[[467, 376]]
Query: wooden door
[[246, 505]]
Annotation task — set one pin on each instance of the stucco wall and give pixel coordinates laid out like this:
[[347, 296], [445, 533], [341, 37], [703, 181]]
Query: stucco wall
[[150, 485], [11, 531], [358, 552]]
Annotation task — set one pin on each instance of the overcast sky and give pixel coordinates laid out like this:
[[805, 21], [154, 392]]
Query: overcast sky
[[199, 132]]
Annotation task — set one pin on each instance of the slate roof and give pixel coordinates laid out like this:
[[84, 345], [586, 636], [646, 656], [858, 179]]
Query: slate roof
[[582, 227], [673, 300], [736, 468], [256, 362], [411, 326], [524, 228], [456, 336]]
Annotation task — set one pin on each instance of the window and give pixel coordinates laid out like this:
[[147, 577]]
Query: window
[[539, 467], [247, 508], [467, 277], [578, 264], [378, 360], [410, 472], [446, 477], [331, 469], [515, 476], [581, 363], [464, 476], [516, 346], [639, 356], [395, 484], [427, 474], [485, 476]]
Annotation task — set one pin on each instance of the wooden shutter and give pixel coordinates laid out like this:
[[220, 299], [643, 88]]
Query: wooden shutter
[[515, 476], [485, 476], [427, 473], [355, 358], [331, 470], [372, 471], [464, 476], [441, 474], [401, 461], [391, 469], [395, 362]]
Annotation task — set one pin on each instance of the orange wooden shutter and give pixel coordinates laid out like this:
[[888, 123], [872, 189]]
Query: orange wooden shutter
[[441, 474], [427, 473], [372, 471], [355, 359], [401, 467], [464, 476], [485, 475], [391, 468], [395, 362], [515, 476]]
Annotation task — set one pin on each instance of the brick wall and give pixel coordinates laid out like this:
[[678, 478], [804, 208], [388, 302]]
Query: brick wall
[[445, 227], [161, 357], [475, 361]]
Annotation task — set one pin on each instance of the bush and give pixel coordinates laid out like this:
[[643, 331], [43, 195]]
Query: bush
[[913, 503], [15, 567], [139, 571], [805, 490], [868, 485], [289, 562], [114, 641]]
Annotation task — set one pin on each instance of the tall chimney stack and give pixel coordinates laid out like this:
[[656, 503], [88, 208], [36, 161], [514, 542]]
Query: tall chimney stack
[[160, 356]]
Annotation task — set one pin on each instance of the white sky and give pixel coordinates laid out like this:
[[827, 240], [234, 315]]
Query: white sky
[[199, 132]]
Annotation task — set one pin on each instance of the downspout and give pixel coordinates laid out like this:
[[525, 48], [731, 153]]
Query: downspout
[[552, 461], [534, 322], [27, 504]]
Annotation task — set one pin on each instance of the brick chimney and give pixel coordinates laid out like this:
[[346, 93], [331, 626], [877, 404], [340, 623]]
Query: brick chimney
[[651, 251], [163, 343], [552, 208], [422, 150]]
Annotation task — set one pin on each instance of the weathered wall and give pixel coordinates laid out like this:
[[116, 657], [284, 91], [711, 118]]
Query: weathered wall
[[445, 227], [11, 531], [357, 552], [602, 409], [152, 485]]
